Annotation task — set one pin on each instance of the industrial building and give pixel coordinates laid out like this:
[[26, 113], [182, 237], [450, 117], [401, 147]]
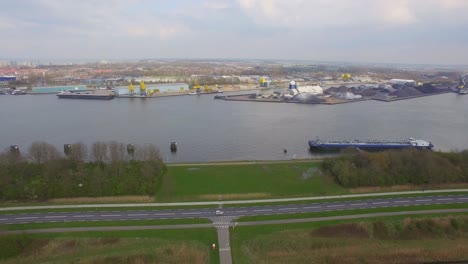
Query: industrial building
[[153, 88], [7, 78], [57, 89], [402, 82]]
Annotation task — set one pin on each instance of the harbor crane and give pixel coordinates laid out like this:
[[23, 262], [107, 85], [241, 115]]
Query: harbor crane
[[462, 89], [463, 80]]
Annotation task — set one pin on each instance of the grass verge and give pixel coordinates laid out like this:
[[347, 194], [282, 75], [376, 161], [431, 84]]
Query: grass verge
[[149, 246], [399, 239], [104, 223]]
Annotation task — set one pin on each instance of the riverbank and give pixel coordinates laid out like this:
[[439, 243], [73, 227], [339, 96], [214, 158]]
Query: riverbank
[[227, 89]]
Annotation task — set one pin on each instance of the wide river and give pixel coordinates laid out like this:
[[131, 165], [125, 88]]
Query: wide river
[[213, 130]]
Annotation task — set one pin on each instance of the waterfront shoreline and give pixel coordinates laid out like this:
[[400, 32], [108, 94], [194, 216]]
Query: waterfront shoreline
[[245, 98]]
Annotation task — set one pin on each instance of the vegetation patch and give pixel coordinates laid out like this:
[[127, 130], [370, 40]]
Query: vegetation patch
[[151, 246], [110, 169], [398, 167], [393, 240]]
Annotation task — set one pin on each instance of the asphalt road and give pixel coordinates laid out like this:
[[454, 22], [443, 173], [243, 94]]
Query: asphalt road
[[228, 212]]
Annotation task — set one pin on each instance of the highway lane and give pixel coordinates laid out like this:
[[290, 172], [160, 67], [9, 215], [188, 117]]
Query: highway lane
[[87, 216]]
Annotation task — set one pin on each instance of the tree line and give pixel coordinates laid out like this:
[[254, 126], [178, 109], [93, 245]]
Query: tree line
[[398, 167], [106, 169]]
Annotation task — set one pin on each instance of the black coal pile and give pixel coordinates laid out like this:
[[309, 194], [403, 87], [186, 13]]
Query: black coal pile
[[427, 88], [332, 90], [368, 92], [307, 98], [406, 91]]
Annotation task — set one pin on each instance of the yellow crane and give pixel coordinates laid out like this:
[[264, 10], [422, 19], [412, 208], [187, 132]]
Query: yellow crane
[[345, 76], [142, 87]]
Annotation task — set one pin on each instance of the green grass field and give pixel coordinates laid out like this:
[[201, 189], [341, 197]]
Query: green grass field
[[399, 239], [255, 181], [149, 246]]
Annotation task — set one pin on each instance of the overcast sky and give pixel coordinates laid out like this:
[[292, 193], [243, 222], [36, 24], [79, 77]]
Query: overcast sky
[[397, 31]]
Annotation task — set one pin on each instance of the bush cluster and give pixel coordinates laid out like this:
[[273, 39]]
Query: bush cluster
[[398, 167], [44, 173]]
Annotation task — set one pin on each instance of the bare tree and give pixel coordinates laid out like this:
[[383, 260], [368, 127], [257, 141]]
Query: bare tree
[[78, 152], [41, 152], [147, 153], [10, 157], [116, 151], [99, 151]]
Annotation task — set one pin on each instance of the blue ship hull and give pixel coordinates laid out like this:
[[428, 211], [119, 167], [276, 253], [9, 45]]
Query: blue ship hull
[[320, 145]]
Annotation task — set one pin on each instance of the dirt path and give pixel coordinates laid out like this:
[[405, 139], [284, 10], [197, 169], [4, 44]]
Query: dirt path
[[242, 162]]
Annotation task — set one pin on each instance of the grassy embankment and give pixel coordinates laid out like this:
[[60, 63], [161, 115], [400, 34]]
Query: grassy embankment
[[252, 181], [149, 246], [390, 240], [103, 224]]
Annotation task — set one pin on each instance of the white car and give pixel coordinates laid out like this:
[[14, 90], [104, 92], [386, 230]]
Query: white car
[[219, 212]]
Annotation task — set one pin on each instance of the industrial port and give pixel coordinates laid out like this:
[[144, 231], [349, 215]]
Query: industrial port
[[277, 82]]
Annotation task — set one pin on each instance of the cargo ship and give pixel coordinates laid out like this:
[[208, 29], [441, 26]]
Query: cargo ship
[[85, 95], [369, 145]]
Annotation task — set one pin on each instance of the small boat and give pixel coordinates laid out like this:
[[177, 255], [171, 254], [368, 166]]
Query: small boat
[[18, 92]]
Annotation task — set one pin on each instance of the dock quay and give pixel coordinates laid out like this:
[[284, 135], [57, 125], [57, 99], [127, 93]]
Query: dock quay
[[161, 95]]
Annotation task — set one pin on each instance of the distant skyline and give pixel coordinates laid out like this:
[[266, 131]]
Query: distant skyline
[[374, 31]]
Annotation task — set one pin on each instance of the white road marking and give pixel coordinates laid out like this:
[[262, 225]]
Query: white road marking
[[405, 201], [426, 200], [29, 217], [312, 207], [110, 215], [338, 205], [380, 203], [224, 249], [463, 198], [445, 199], [137, 214], [165, 214], [359, 204], [262, 210], [189, 213], [243, 211], [56, 216], [83, 216], [284, 209]]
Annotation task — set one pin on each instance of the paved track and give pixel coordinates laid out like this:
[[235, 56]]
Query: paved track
[[228, 212]]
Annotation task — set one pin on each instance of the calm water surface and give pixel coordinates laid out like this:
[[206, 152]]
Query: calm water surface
[[208, 130]]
